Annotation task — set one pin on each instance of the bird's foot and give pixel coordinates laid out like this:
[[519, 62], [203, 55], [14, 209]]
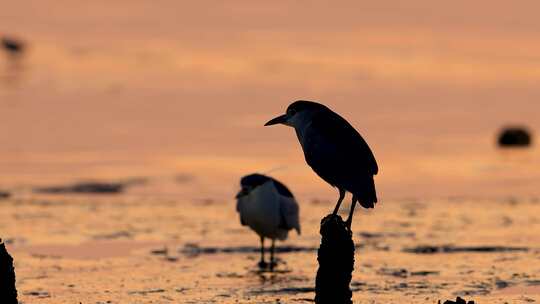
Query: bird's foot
[[348, 223], [272, 265], [263, 265]]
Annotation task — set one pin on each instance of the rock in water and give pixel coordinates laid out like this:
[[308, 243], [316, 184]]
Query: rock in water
[[336, 262], [8, 292], [514, 137]]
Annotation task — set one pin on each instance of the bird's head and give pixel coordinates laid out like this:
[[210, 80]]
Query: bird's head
[[297, 113], [250, 182]]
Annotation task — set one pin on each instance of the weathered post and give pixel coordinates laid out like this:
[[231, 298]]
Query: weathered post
[[8, 292], [336, 262]]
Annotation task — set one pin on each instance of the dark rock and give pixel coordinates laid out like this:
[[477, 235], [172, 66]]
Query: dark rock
[[8, 291], [38, 293], [165, 253], [428, 249], [395, 272], [147, 291], [458, 301], [336, 262], [502, 284], [371, 235], [85, 188], [12, 45], [171, 259], [424, 273], [161, 251], [515, 137]]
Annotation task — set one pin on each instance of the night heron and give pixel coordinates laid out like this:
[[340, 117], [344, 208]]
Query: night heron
[[268, 208], [334, 150]]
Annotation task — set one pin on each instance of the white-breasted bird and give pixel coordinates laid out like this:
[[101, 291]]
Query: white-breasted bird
[[334, 150], [268, 208]]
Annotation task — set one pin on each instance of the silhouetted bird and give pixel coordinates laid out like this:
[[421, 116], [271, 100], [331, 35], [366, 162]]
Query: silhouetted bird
[[11, 45], [334, 150], [268, 208]]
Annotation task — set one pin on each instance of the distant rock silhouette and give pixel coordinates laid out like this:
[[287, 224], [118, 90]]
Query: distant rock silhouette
[[4, 194], [84, 188], [8, 292], [336, 262], [12, 45], [515, 137]]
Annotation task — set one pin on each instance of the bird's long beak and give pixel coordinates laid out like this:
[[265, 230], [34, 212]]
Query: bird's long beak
[[278, 120]]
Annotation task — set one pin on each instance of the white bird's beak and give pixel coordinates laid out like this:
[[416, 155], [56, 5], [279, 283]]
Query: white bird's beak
[[278, 120]]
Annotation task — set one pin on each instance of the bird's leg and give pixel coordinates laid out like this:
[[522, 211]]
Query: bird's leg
[[349, 219], [341, 197], [262, 263], [272, 248]]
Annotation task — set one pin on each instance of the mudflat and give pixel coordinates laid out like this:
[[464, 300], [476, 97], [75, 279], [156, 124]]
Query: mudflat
[[115, 249]]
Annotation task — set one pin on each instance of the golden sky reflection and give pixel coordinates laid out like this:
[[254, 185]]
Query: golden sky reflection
[[135, 88]]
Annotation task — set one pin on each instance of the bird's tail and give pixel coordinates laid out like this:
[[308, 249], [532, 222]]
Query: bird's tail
[[367, 195]]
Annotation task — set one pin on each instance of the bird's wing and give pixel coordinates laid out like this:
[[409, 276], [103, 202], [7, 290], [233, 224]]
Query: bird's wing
[[282, 189], [342, 143], [289, 214], [239, 203]]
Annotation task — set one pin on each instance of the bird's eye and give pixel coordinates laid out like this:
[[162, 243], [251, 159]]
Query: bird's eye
[[292, 111]]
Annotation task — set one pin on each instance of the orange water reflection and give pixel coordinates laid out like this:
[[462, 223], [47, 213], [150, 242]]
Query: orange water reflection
[[113, 90]]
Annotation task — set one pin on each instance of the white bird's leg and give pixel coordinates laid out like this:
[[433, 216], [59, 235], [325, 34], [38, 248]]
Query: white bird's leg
[[341, 197], [349, 219], [272, 248], [262, 263]]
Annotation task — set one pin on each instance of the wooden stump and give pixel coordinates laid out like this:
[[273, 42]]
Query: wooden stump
[[8, 292], [336, 262]]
